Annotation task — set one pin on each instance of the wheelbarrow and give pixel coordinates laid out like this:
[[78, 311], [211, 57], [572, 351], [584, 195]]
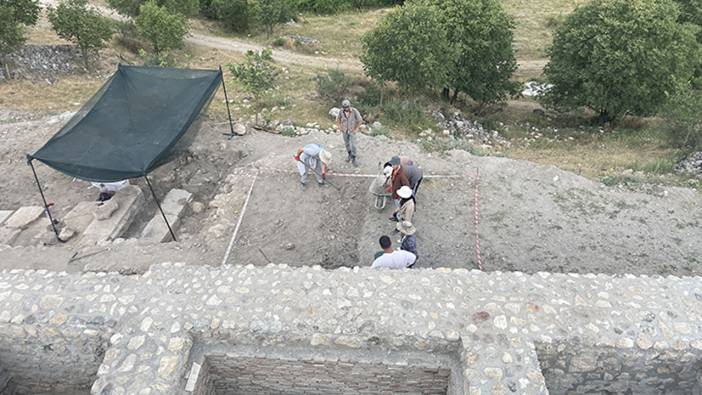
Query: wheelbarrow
[[379, 189]]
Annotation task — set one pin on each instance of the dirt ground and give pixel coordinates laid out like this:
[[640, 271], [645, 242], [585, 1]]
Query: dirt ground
[[532, 217]]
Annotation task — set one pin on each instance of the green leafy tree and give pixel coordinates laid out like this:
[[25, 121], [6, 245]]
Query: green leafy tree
[[131, 7], [621, 56], [408, 46], [161, 28], [691, 12], [15, 15], [272, 12], [257, 75], [481, 58], [74, 21], [235, 14]]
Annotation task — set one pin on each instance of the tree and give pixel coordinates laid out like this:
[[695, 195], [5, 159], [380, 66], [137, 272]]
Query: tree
[[272, 12], [481, 58], [162, 29], [691, 12], [131, 7], [621, 56], [15, 15], [75, 22], [235, 14], [408, 46], [257, 75]]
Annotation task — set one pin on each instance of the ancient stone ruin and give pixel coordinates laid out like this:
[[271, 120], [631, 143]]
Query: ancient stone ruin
[[181, 329]]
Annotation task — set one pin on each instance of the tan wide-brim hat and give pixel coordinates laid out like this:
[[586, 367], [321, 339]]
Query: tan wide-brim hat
[[406, 228], [405, 192], [326, 157]]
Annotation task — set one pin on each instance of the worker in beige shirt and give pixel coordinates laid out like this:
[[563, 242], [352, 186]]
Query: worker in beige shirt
[[348, 122]]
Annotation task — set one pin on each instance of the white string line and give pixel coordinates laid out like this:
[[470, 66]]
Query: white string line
[[351, 175], [238, 223]]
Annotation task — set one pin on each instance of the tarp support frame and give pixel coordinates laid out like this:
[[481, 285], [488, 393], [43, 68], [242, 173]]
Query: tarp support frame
[[159, 207], [43, 199], [226, 101]]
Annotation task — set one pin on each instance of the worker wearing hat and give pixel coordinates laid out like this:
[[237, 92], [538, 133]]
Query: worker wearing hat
[[348, 122], [313, 157], [405, 172]]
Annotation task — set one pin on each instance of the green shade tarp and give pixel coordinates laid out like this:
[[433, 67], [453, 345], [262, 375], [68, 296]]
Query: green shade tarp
[[131, 124]]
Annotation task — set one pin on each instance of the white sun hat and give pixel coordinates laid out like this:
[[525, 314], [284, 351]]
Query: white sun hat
[[405, 192]]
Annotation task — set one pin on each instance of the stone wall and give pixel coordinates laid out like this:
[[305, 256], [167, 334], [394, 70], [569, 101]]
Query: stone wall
[[496, 333], [569, 367], [253, 376]]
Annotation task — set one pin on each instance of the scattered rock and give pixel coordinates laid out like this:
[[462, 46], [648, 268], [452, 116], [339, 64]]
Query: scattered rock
[[289, 246], [239, 129], [198, 207], [67, 234], [535, 89], [691, 165], [105, 211], [218, 231]]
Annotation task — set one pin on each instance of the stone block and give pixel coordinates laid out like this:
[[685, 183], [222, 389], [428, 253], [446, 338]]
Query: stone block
[[24, 216], [173, 205], [129, 201], [79, 217], [8, 235], [5, 214]]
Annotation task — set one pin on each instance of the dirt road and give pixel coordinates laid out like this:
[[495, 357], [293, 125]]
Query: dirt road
[[280, 56]]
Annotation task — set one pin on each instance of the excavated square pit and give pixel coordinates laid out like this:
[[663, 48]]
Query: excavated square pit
[[570, 368], [53, 367], [253, 376], [333, 228]]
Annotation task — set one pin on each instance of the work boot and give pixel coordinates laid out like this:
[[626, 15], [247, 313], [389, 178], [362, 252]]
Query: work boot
[[353, 162], [349, 158]]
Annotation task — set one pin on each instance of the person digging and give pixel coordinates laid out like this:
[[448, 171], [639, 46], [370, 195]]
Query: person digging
[[407, 205], [348, 122], [313, 157], [408, 242]]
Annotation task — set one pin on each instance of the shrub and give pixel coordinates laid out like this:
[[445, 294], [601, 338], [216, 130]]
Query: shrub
[[333, 86], [272, 12], [408, 46], [684, 120], [406, 114], [235, 14], [278, 42], [163, 30], [621, 56], [131, 7], [75, 22], [256, 74]]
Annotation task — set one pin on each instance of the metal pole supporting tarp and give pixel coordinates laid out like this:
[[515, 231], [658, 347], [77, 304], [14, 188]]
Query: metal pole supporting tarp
[[43, 199], [226, 101], [159, 208]]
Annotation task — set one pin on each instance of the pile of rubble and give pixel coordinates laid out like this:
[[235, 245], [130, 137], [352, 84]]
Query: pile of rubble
[[44, 60], [458, 126], [691, 165]]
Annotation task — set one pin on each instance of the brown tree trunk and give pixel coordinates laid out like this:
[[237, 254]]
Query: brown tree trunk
[[455, 96]]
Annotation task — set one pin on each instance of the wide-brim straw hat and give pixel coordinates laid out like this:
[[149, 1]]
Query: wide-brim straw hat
[[406, 228], [405, 192], [325, 156]]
